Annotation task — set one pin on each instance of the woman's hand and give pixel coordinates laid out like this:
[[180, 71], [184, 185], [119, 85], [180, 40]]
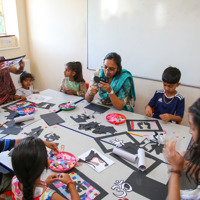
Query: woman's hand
[[105, 86], [174, 158], [93, 91], [22, 65], [51, 178], [64, 178]]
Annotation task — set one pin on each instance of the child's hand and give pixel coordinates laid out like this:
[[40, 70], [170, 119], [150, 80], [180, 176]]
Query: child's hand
[[65, 178], [165, 117], [23, 98], [70, 91], [174, 158], [51, 178], [148, 111], [51, 145]]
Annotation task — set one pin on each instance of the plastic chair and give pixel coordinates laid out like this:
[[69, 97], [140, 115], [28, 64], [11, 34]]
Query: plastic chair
[[87, 85]]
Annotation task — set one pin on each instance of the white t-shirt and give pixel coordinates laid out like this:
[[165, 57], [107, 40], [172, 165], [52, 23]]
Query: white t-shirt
[[24, 92]]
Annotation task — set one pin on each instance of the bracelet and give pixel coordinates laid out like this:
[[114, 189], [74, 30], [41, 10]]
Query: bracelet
[[71, 182], [176, 172]]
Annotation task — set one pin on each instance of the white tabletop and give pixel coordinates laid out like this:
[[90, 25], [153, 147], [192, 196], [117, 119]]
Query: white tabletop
[[79, 141]]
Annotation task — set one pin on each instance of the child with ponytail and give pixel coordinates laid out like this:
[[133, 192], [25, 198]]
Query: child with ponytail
[[73, 83], [29, 159]]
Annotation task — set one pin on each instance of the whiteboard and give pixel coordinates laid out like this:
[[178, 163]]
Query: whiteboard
[[149, 35]]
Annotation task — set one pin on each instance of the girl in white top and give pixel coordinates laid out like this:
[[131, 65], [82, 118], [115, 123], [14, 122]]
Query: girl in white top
[[26, 79]]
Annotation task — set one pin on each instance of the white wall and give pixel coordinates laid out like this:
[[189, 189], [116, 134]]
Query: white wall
[[57, 34]]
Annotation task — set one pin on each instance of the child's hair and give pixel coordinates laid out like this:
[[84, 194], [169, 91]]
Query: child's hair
[[25, 75], [29, 159], [117, 58], [76, 67], [195, 148], [171, 75]]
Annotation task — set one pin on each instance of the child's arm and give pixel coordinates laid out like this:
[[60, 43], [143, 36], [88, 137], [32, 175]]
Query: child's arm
[[148, 111], [17, 97], [167, 117]]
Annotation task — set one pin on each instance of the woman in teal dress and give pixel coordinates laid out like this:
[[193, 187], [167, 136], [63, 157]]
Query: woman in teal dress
[[116, 86]]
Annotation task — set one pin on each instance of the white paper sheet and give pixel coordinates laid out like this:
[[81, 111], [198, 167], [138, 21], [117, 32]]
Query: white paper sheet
[[37, 98], [97, 161]]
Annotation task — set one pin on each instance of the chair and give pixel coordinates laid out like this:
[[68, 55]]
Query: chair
[[87, 85]]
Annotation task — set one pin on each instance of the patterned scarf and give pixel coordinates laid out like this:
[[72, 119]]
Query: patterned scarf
[[117, 83], [7, 88]]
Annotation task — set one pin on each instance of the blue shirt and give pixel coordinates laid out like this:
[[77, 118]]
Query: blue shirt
[[6, 144], [162, 104]]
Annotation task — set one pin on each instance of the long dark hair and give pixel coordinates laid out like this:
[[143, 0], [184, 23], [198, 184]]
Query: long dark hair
[[194, 151], [29, 159], [76, 67]]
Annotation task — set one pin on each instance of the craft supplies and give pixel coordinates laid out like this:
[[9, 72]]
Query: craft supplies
[[3, 123], [62, 161], [67, 106], [23, 118], [135, 134], [116, 118], [124, 154], [20, 104], [25, 110], [141, 159]]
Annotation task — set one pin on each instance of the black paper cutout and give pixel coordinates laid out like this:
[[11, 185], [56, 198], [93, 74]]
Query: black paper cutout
[[50, 137], [140, 123], [52, 118], [88, 126], [35, 132], [81, 118], [91, 155], [100, 141], [10, 128], [97, 108], [45, 105], [80, 189], [98, 129], [147, 187]]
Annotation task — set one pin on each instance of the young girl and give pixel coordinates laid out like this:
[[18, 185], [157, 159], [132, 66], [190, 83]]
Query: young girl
[[29, 159], [26, 79], [73, 83], [178, 163]]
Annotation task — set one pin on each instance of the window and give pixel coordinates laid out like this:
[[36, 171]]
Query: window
[[2, 20], [9, 33]]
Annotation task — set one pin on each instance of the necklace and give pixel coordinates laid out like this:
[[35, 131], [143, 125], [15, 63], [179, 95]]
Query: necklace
[[169, 101]]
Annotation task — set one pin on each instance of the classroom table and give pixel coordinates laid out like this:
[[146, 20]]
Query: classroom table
[[122, 179]]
